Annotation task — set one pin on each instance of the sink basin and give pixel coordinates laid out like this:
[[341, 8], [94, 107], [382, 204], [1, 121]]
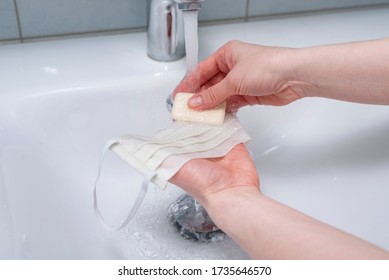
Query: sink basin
[[60, 102]]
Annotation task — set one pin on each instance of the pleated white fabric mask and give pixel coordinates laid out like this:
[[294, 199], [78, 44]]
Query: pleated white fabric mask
[[160, 157]]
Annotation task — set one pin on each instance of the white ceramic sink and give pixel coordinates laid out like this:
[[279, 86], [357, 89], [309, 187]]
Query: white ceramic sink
[[60, 101]]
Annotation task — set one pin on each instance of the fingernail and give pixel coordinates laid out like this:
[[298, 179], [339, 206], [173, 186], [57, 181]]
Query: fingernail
[[195, 101]]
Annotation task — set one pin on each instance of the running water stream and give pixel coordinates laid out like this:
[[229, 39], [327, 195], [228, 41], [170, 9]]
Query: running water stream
[[190, 18], [191, 39]]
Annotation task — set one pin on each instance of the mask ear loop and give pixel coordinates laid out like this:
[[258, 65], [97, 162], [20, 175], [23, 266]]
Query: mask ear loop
[[138, 201]]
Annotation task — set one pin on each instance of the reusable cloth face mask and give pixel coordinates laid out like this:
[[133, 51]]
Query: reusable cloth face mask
[[160, 157]]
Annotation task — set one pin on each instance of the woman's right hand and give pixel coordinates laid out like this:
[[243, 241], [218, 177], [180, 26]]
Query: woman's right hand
[[247, 74], [243, 74]]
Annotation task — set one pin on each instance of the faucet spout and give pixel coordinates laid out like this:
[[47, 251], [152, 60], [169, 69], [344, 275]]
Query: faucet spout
[[165, 36]]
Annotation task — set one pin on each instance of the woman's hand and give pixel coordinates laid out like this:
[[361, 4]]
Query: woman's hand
[[207, 178], [244, 74], [247, 74]]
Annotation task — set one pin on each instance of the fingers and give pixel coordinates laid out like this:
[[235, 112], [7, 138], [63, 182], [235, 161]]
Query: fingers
[[202, 74], [210, 80], [212, 96], [216, 79]]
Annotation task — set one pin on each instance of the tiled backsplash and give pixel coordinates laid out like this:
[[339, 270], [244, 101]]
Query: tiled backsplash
[[21, 20]]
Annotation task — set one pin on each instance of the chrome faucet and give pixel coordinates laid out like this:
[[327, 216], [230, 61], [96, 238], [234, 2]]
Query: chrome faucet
[[165, 37]]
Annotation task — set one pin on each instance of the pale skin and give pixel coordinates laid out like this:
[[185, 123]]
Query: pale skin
[[228, 187]]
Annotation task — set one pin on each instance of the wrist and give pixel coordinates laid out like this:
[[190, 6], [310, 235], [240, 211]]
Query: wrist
[[296, 73], [221, 205]]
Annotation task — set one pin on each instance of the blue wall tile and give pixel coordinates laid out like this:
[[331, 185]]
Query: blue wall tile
[[266, 7], [222, 9], [8, 22], [57, 17]]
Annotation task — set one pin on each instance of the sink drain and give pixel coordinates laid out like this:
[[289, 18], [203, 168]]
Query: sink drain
[[192, 220]]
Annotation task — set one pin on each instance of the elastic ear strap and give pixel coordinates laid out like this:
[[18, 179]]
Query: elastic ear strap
[[138, 201]]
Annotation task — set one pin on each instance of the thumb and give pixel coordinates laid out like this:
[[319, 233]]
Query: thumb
[[212, 96]]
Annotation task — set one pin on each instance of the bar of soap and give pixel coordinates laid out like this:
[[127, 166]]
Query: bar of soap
[[181, 111]]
